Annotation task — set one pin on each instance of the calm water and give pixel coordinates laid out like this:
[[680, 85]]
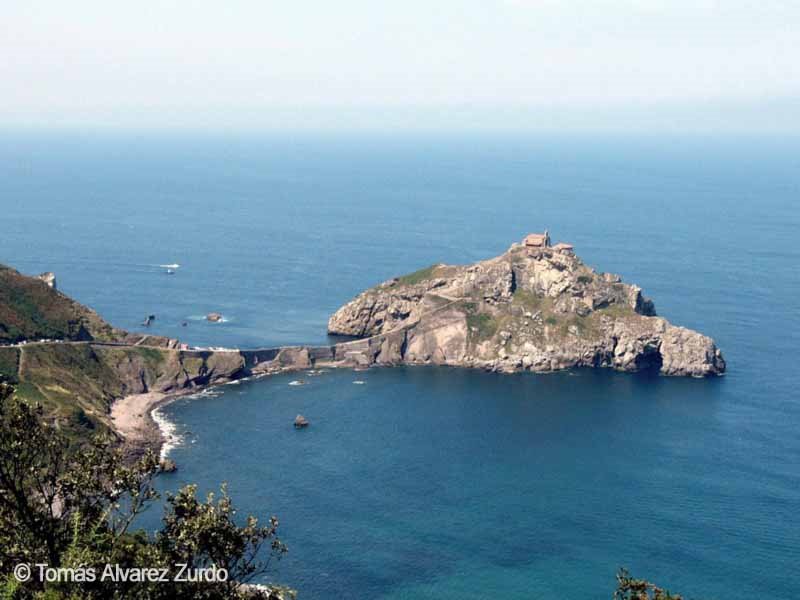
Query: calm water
[[439, 483]]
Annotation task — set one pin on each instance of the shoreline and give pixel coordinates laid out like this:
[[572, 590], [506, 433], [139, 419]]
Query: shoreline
[[133, 418]]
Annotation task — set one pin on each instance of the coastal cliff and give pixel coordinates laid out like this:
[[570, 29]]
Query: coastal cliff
[[76, 383], [65, 357], [535, 307]]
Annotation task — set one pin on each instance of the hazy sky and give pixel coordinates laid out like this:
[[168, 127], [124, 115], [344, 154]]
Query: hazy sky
[[477, 64]]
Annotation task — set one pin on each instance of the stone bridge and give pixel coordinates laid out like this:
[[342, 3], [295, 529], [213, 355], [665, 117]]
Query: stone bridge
[[382, 349]]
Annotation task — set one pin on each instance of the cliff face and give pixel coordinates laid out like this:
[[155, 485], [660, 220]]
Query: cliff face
[[76, 383], [538, 309]]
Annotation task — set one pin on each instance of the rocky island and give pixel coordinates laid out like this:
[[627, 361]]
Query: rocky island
[[537, 307]]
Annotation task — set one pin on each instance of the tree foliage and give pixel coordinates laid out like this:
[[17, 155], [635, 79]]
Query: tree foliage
[[76, 510]]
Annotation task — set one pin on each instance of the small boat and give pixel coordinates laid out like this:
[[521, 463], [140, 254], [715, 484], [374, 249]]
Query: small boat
[[300, 422], [170, 272]]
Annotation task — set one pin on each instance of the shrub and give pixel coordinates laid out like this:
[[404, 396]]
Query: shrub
[[482, 325], [75, 509]]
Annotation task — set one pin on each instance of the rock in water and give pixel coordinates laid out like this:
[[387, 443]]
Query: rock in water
[[300, 421], [214, 317], [535, 307], [168, 466]]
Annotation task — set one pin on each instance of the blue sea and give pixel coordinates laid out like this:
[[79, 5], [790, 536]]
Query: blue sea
[[434, 483]]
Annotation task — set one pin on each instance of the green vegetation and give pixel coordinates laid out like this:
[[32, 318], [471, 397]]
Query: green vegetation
[[64, 377], [30, 392], [71, 510], [76, 383], [616, 310], [529, 300], [584, 279], [31, 310], [153, 357], [470, 307], [482, 326], [560, 325], [418, 276], [9, 363]]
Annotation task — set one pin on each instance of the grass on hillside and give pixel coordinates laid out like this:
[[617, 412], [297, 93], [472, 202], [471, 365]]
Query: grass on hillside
[[75, 384], [482, 326], [9, 361], [418, 276], [31, 310]]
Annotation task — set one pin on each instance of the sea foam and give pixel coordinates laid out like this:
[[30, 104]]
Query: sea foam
[[169, 431]]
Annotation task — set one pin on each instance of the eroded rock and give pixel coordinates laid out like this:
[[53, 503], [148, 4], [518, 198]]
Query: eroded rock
[[532, 308]]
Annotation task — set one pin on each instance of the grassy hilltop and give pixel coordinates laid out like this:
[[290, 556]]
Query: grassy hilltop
[[31, 310]]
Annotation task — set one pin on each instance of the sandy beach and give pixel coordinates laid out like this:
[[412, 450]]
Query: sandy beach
[[132, 420]]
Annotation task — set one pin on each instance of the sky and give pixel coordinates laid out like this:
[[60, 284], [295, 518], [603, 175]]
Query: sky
[[619, 65]]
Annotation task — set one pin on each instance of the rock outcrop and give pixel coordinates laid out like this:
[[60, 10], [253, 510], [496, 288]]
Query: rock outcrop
[[532, 308], [49, 278], [167, 465]]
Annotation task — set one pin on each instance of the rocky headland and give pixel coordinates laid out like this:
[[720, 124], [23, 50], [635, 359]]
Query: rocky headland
[[536, 307]]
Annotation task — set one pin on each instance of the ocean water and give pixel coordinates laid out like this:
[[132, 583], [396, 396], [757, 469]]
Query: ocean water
[[443, 483]]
